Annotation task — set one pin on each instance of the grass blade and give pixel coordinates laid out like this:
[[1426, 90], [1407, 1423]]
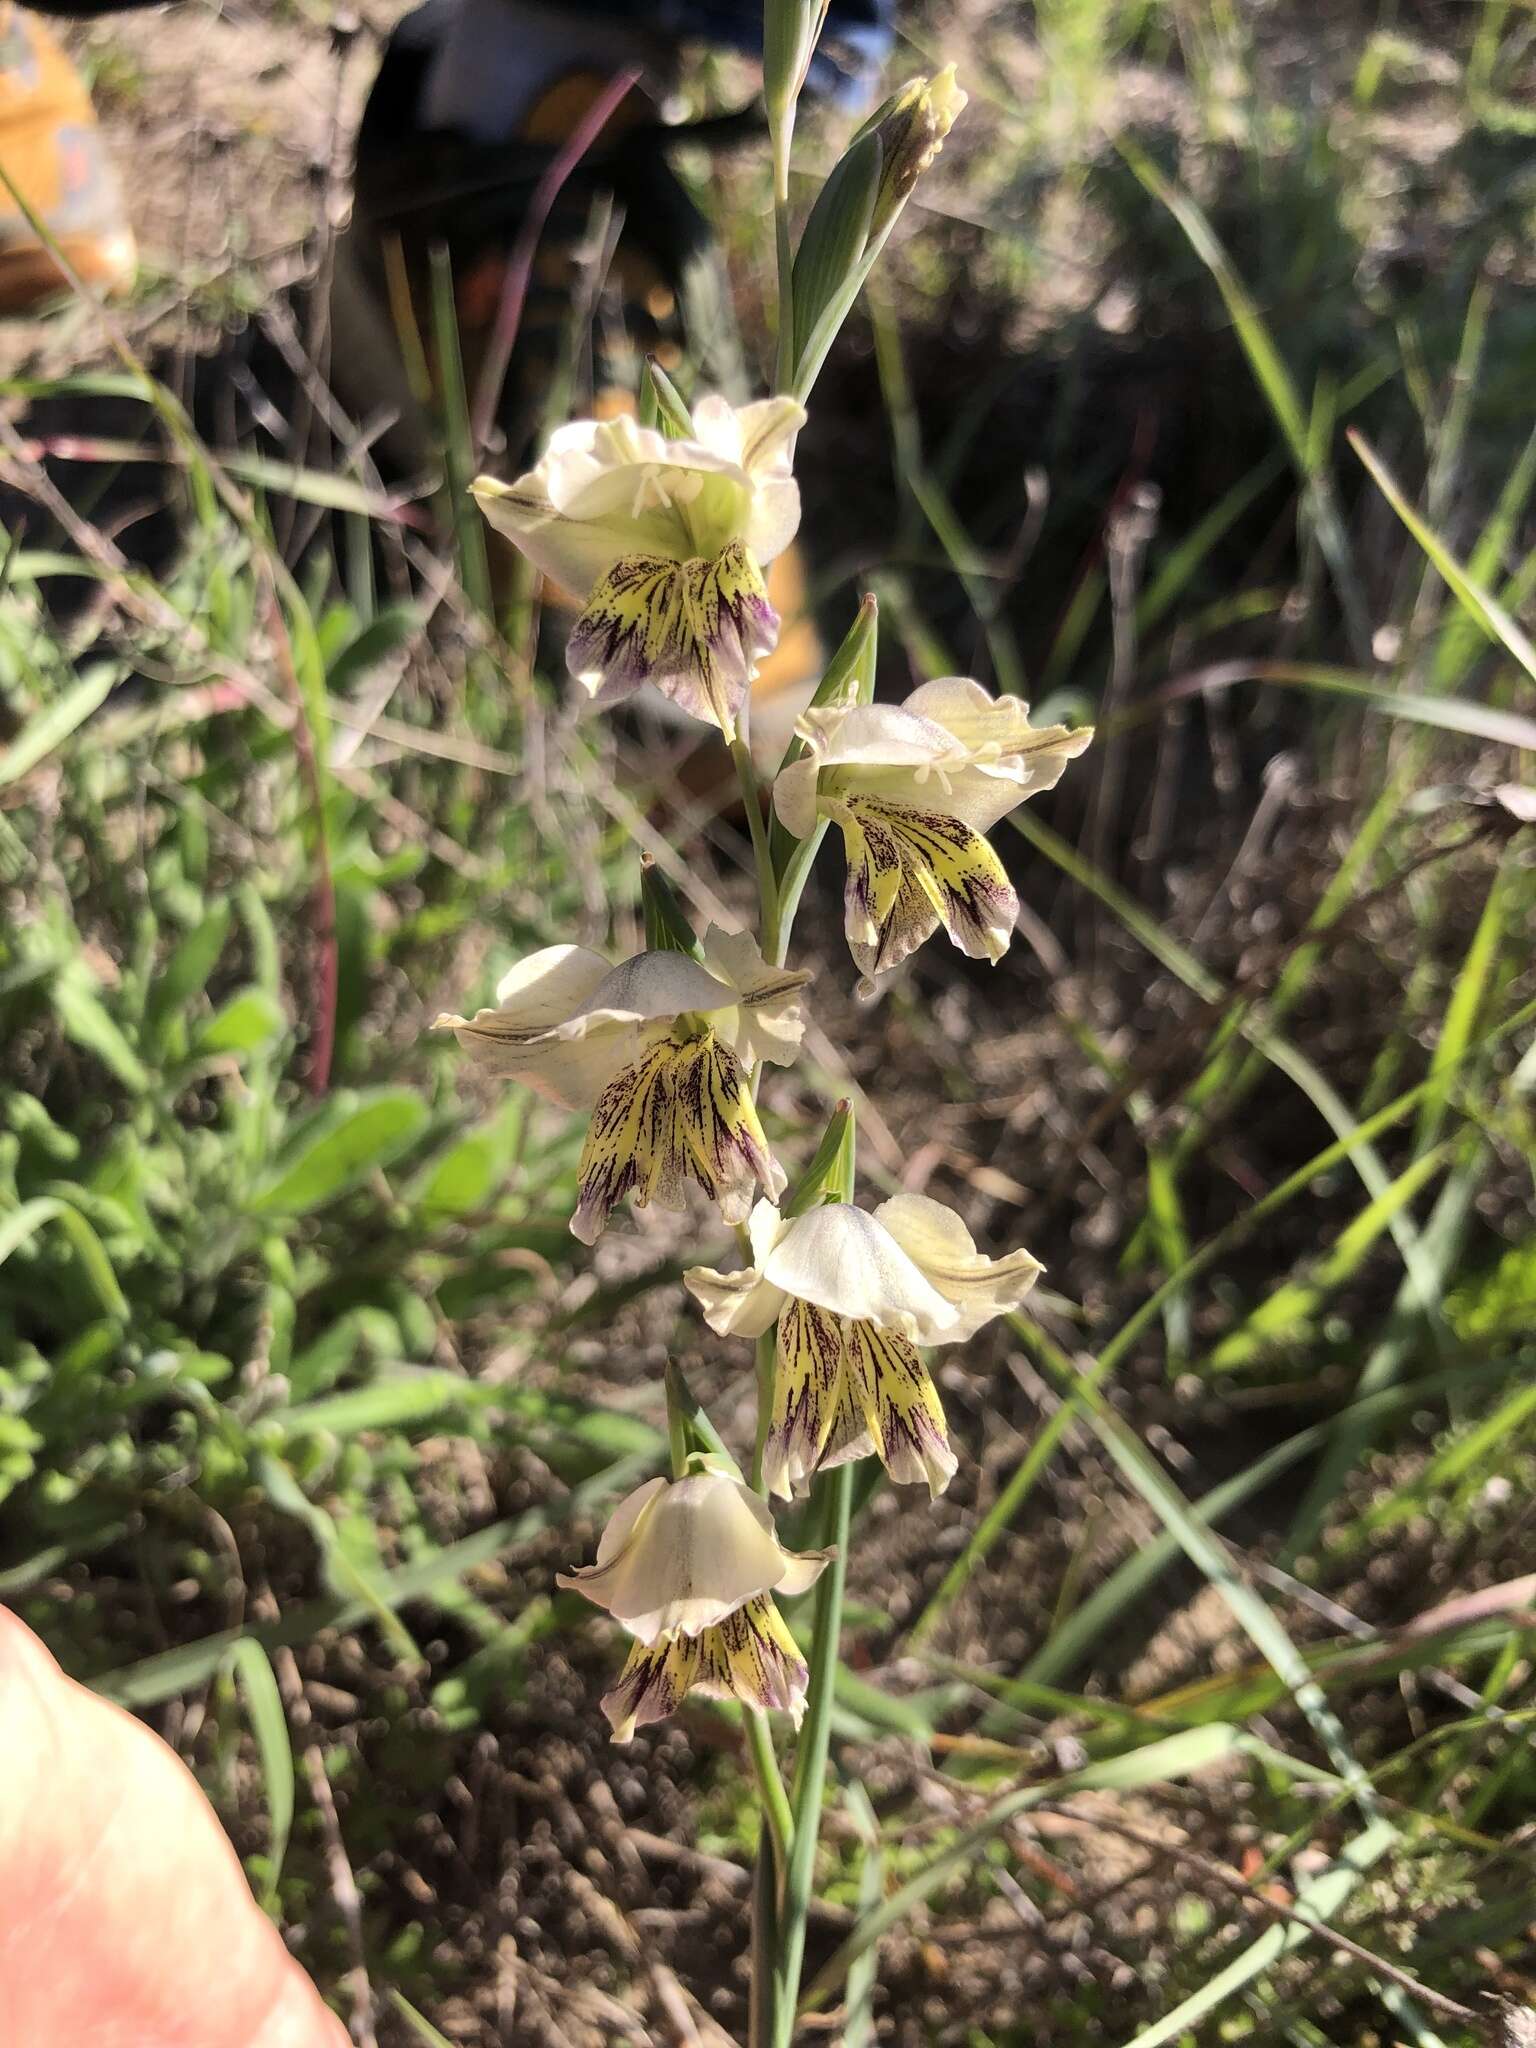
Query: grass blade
[[253, 1673], [1158, 1763], [1482, 605], [50, 727]]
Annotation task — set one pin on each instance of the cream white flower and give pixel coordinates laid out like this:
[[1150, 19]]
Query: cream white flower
[[655, 1049], [750, 1656], [679, 1555], [664, 543], [689, 1566], [914, 787], [853, 1295]]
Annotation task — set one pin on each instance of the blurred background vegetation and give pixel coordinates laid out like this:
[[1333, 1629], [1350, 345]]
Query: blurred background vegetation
[[1196, 402]]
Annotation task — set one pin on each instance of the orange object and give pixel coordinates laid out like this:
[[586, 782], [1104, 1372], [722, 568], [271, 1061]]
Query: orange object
[[55, 165], [125, 1918]]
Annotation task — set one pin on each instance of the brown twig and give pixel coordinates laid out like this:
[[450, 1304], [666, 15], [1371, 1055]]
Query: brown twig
[[325, 966], [1235, 1882], [343, 1884]]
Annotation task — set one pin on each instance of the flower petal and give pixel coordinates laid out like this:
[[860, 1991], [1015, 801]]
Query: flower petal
[[629, 1145], [739, 1304], [977, 1288], [910, 871], [769, 1021], [743, 1303], [808, 1371], [683, 1111], [876, 736], [753, 1657], [651, 1686], [693, 629], [794, 796], [1007, 758], [608, 488], [700, 1547], [760, 437], [718, 1132], [626, 1519], [901, 1407], [551, 985], [654, 985], [844, 1261], [567, 1035]]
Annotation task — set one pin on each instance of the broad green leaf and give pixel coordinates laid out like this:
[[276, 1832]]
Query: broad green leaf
[[384, 635], [347, 1575], [468, 1173], [357, 1136], [51, 726], [395, 1402], [88, 1248], [85, 1020], [185, 975], [249, 1020]]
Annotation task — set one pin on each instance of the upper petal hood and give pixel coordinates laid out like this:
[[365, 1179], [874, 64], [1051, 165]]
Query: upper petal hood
[[876, 737], [975, 1287], [999, 758], [951, 747], [656, 984], [518, 1041], [843, 1260], [605, 489], [681, 1556], [761, 438], [565, 1022]]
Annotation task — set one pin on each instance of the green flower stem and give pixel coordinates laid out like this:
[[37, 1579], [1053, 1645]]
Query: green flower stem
[[784, 368], [770, 1785], [764, 1949], [677, 1428], [757, 825], [835, 1490]]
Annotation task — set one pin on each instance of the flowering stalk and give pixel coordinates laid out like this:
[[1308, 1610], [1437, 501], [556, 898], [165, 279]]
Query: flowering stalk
[[660, 528]]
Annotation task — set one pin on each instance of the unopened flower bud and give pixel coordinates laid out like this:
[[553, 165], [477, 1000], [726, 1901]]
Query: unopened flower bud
[[911, 128]]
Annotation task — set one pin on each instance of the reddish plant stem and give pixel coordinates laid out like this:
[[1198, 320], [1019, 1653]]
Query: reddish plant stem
[[514, 285], [324, 965]]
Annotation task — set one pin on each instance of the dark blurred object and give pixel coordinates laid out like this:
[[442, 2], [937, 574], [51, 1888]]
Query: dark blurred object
[[57, 171], [473, 101]]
